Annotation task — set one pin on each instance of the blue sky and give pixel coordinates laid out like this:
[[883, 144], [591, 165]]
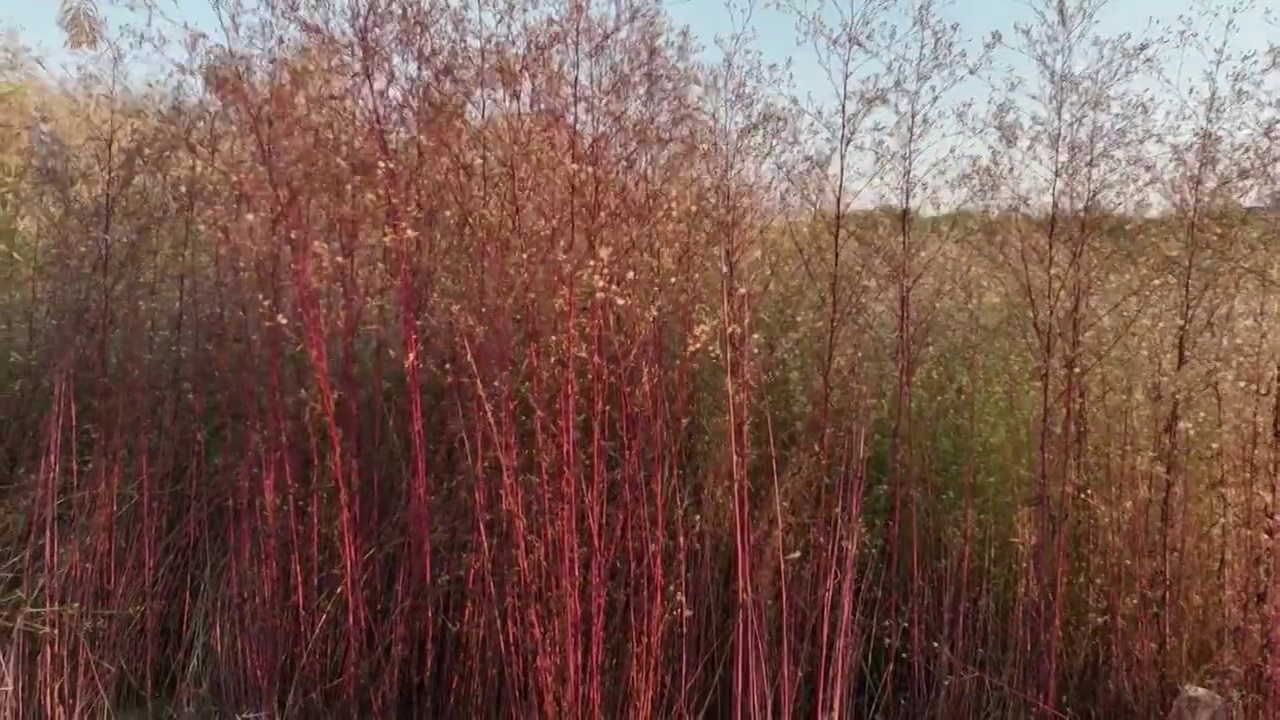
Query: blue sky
[[776, 35], [36, 21]]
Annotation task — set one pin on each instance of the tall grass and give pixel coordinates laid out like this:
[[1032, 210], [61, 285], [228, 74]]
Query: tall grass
[[390, 359]]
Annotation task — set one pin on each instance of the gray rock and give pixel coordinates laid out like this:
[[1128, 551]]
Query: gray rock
[[1197, 703]]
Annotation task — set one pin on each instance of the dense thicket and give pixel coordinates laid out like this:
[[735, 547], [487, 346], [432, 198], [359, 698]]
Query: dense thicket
[[515, 359]]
